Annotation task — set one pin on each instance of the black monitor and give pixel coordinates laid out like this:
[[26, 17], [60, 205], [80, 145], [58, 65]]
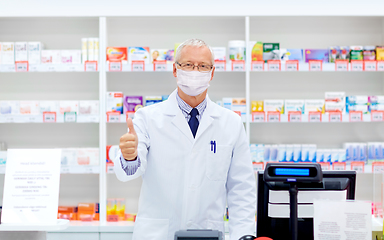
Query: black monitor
[[277, 227]]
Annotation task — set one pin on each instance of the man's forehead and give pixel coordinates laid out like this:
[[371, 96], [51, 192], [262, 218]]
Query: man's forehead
[[201, 52]]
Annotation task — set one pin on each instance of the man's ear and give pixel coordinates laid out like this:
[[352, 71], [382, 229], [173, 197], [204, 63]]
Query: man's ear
[[213, 72], [174, 70]]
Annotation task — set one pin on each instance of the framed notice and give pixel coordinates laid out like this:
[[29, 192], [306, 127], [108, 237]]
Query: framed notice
[[31, 186]]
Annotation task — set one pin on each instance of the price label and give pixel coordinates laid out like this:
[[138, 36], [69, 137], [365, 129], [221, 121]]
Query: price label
[[258, 117], [238, 65], [220, 65], [292, 65], [160, 66], [273, 116], [115, 66], [339, 166], [357, 65], [380, 65], [370, 65], [112, 218], [314, 116], [315, 65], [32, 68], [51, 68], [71, 68], [258, 166], [355, 116], [377, 116], [9, 119], [274, 65], [378, 167], [64, 170], [90, 66], [21, 66], [49, 117], [358, 166], [113, 117], [70, 117], [294, 116], [341, 65], [335, 117], [257, 65], [110, 169], [138, 66], [325, 166]]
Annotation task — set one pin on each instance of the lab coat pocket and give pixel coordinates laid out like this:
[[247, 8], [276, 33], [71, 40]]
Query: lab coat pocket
[[216, 225], [218, 162], [150, 228]]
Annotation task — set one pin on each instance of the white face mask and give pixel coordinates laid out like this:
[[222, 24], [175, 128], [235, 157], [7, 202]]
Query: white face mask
[[193, 83]]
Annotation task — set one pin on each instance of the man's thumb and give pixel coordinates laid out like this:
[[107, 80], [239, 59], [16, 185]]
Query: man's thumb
[[131, 129]]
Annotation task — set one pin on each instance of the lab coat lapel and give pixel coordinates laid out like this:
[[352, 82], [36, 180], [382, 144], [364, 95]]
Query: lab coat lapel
[[172, 109]]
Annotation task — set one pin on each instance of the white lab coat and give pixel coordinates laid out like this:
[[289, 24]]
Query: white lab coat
[[185, 184]]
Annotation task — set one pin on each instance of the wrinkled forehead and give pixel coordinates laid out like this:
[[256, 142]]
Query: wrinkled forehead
[[196, 54]]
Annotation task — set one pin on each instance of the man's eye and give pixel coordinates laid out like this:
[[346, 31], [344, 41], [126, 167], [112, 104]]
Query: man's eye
[[187, 65], [203, 66]]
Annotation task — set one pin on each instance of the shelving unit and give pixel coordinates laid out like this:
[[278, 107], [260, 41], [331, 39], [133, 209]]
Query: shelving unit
[[319, 28]]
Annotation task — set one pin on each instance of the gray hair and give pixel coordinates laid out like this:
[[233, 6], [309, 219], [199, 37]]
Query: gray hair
[[193, 42]]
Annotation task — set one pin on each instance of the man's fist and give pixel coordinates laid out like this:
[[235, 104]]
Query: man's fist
[[128, 142]]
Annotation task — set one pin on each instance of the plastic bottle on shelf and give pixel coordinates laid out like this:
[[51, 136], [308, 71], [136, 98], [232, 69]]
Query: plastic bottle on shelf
[[236, 50]]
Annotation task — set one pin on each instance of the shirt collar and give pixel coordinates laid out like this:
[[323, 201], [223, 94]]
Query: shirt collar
[[187, 109]]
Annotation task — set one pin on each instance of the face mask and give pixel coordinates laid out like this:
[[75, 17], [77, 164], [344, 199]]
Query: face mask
[[193, 83]]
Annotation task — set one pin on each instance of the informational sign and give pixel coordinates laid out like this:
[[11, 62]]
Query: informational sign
[[342, 220], [31, 186]]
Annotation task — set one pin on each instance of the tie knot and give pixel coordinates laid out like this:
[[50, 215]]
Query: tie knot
[[194, 112]]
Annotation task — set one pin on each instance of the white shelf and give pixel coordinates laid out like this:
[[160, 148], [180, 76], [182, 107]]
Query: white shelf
[[70, 169], [325, 118], [47, 68], [5, 118], [60, 225], [304, 67]]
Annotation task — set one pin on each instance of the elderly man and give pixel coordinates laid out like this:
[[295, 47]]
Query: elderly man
[[193, 156]]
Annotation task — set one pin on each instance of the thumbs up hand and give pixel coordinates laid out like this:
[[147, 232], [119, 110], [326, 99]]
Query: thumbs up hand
[[129, 142]]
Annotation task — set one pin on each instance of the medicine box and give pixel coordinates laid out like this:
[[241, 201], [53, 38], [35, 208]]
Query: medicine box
[[357, 100], [356, 53], [257, 106], [334, 107], [114, 102], [84, 50], [34, 52], [271, 51], [219, 53], [71, 56], [274, 106], [313, 105], [239, 106], [10, 107], [376, 103], [29, 107], [87, 156], [3, 158], [7, 53], [227, 103], [357, 108], [117, 54], [338, 53], [335, 97], [296, 105], [68, 156], [132, 103], [162, 55], [68, 106], [91, 49], [21, 51], [49, 106], [138, 54], [317, 54], [292, 54], [369, 53], [150, 100], [51, 56], [89, 107], [257, 50], [281, 153], [380, 53]]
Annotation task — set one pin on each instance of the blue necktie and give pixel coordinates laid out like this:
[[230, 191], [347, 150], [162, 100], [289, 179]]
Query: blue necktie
[[193, 122]]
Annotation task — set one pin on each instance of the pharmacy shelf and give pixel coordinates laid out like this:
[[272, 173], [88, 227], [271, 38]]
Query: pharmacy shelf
[[5, 118], [325, 118], [70, 169], [168, 67], [47, 68], [60, 225], [282, 66], [122, 118]]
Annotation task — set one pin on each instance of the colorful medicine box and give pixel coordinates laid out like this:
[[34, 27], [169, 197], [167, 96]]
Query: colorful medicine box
[[138, 54], [271, 51], [292, 54], [162, 55], [117, 54], [257, 51], [274, 106], [317, 54], [132, 103], [313, 105], [296, 105], [114, 102], [257, 106]]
